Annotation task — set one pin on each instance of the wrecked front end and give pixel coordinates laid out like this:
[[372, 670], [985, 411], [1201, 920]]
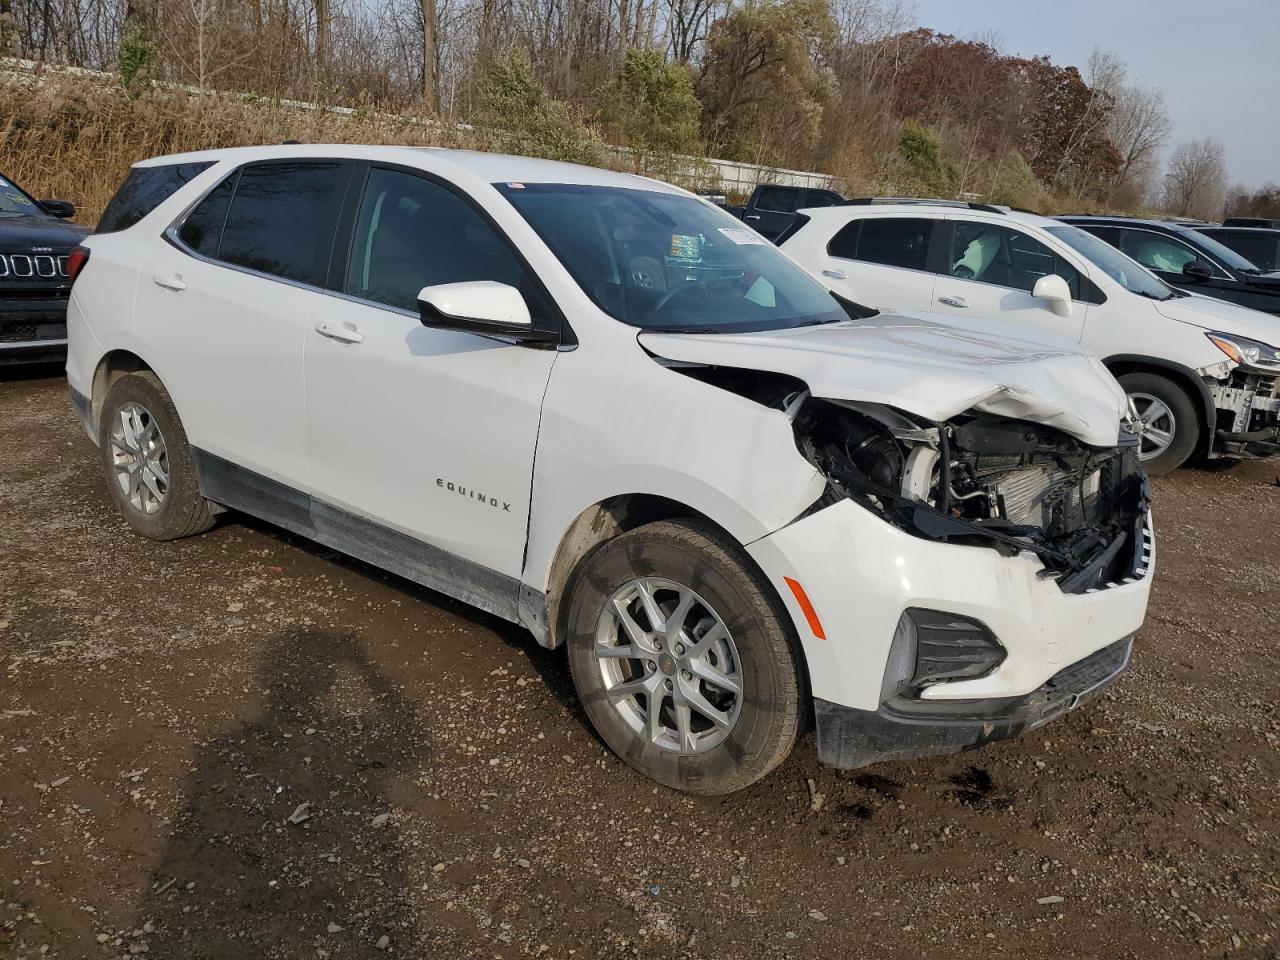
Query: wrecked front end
[[982, 480], [1247, 407]]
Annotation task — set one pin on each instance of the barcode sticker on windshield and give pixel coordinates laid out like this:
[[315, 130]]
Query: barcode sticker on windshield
[[742, 236]]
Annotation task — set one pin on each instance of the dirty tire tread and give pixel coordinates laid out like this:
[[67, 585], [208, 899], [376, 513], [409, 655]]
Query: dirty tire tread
[[185, 512], [762, 632], [1185, 439]]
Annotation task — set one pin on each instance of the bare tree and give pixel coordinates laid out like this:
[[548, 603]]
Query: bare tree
[[1195, 180], [1138, 128]]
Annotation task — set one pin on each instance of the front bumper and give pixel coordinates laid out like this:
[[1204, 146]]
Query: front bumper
[[902, 728], [33, 330], [861, 573], [1248, 416]]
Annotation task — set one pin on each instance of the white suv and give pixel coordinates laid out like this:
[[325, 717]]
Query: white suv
[[1203, 374], [598, 406]]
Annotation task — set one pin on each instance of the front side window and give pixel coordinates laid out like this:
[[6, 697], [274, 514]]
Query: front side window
[[895, 242], [413, 233], [664, 261], [778, 199], [991, 253], [1127, 272], [1155, 251], [144, 189], [282, 218]]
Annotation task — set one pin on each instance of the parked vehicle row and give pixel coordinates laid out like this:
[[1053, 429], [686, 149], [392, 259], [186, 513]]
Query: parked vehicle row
[[602, 408], [1203, 375]]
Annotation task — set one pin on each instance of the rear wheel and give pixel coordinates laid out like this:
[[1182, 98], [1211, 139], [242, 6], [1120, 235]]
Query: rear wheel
[[683, 660], [1170, 427], [147, 462]]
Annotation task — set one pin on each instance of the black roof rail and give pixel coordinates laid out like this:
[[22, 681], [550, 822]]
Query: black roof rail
[[926, 201]]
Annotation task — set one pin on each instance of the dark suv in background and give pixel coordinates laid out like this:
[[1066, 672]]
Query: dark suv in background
[[1185, 257], [1259, 245], [35, 249]]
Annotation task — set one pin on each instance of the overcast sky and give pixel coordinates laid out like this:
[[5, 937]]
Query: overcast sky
[[1216, 61]]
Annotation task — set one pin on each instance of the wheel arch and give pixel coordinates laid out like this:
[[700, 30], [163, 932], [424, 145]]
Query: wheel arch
[[1193, 383], [609, 518], [113, 365]]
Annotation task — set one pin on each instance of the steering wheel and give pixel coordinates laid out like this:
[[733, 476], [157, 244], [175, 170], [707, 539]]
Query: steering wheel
[[677, 291]]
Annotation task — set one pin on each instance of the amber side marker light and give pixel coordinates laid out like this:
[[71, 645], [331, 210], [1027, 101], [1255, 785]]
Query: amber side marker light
[[806, 607]]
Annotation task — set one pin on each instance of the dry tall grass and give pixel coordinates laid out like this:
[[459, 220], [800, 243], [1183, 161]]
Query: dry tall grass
[[74, 137]]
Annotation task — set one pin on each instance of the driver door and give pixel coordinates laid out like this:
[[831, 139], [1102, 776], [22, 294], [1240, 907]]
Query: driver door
[[990, 270], [427, 432]]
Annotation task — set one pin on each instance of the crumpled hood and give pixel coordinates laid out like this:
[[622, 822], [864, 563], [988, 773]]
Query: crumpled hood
[[931, 367], [1222, 316]]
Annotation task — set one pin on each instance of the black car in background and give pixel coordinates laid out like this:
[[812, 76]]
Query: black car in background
[[1252, 222], [1184, 257], [772, 207], [1260, 246], [35, 251]]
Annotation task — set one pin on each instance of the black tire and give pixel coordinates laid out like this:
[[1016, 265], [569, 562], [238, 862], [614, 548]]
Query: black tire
[[1186, 432], [182, 511], [769, 707]]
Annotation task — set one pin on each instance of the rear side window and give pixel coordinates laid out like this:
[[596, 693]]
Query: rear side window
[[821, 198], [144, 189], [282, 218], [895, 242], [202, 230]]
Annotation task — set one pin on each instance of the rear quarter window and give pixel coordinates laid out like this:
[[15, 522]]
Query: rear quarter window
[[144, 189]]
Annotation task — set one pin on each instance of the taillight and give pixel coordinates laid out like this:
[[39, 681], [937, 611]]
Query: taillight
[[76, 261]]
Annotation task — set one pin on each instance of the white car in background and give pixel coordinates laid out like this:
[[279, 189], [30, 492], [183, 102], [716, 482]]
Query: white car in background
[[600, 407], [1204, 375]]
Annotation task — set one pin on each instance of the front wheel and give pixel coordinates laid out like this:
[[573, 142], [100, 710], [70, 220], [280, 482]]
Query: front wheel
[[683, 658], [1170, 427]]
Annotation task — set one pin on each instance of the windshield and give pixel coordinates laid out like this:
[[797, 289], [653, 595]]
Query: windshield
[[663, 261], [15, 203], [1225, 254], [1130, 274]]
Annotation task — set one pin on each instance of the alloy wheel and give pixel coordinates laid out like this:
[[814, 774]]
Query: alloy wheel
[[669, 665], [139, 458], [1157, 422]]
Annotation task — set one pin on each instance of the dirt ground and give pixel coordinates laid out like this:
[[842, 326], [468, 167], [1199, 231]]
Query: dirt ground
[[245, 746]]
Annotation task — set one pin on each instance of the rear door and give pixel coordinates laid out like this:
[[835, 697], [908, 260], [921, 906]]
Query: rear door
[[227, 300], [991, 270], [882, 262]]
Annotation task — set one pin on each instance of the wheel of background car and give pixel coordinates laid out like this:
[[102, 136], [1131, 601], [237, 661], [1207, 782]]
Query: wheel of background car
[[147, 462], [684, 659], [1170, 425]]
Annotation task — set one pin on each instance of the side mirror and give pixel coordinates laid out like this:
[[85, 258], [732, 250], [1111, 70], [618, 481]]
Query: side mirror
[[485, 307], [1197, 270], [1054, 290], [63, 209]]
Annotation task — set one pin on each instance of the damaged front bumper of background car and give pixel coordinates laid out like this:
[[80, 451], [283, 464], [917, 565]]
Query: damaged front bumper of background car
[[1247, 405]]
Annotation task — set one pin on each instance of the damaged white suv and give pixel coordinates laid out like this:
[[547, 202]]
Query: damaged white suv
[[597, 406]]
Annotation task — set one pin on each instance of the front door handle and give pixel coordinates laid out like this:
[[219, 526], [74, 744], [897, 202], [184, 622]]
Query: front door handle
[[954, 301], [835, 274], [751, 216], [170, 281], [342, 332]]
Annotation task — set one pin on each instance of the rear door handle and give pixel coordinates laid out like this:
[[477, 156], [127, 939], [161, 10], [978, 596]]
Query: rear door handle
[[835, 274], [954, 301], [342, 332], [170, 281], [751, 216]]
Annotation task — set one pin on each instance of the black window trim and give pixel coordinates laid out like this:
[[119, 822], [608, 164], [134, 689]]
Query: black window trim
[[344, 235]]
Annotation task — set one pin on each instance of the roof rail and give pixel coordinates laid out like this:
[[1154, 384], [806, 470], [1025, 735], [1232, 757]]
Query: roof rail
[[927, 201]]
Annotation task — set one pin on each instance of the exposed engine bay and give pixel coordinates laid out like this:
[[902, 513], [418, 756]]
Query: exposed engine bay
[[1009, 484], [978, 479]]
